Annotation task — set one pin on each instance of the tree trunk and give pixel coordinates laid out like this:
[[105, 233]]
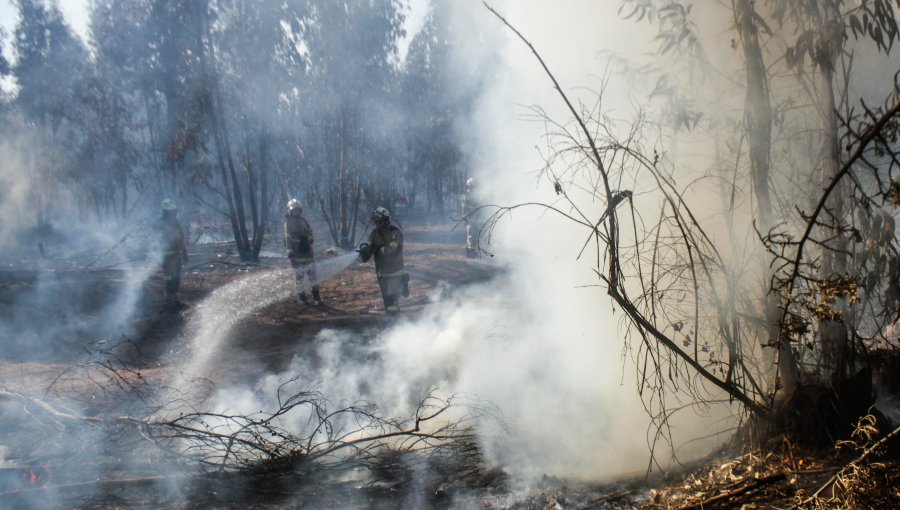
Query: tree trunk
[[343, 186], [758, 115], [259, 230], [834, 261]]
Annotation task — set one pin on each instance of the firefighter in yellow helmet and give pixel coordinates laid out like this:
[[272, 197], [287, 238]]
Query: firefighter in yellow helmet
[[173, 251], [298, 240], [385, 245]]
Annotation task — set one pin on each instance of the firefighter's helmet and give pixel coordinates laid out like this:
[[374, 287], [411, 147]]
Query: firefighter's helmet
[[169, 205], [380, 214], [294, 204]]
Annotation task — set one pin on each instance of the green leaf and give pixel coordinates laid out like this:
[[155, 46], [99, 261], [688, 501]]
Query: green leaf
[[855, 25], [790, 57], [662, 85], [632, 13], [761, 23]]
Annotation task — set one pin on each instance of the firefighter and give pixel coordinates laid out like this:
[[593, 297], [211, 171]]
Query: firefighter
[[469, 209], [173, 251], [386, 246], [298, 240]]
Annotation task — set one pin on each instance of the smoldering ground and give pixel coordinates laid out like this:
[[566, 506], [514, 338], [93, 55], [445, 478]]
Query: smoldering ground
[[535, 355], [542, 351], [73, 286]]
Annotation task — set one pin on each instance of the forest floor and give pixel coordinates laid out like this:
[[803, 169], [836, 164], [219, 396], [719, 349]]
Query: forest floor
[[435, 256]]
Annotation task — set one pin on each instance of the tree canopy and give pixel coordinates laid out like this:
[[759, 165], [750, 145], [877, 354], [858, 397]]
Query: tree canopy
[[232, 107]]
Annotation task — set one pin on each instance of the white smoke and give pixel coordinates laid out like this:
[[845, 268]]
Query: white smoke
[[542, 342]]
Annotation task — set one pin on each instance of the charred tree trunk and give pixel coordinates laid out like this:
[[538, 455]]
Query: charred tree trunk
[[232, 189], [259, 229], [834, 332], [758, 116], [229, 197], [357, 197], [252, 189], [230, 182], [343, 186], [343, 196]]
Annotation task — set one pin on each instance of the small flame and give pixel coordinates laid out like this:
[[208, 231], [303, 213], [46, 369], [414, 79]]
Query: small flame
[[32, 476], [37, 476]]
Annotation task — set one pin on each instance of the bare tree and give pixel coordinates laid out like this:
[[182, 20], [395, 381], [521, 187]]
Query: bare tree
[[681, 301]]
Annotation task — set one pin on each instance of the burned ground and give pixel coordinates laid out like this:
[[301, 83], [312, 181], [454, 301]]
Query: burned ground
[[57, 349], [84, 355]]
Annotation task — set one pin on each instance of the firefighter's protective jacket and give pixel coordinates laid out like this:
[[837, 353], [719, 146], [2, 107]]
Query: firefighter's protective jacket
[[173, 250], [171, 239], [386, 246], [298, 239]]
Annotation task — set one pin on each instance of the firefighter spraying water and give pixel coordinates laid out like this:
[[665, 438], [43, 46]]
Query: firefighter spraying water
[[386, 246]]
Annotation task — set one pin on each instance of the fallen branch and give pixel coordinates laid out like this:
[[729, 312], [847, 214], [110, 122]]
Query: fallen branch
[[607, 498], [113, 247], [347, 437], [47, 408], [90, 483], [754, 484], [859, 460], [224, 262]]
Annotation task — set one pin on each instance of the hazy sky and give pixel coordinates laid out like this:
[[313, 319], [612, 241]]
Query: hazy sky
[[75, 12]]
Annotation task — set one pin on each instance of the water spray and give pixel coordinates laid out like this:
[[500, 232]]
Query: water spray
[[213, 318], [330, 267]]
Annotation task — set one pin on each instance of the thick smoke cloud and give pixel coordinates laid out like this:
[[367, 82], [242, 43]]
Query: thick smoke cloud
[[541, 343]]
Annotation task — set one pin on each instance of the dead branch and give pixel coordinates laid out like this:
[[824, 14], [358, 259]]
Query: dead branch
[[755, 483], [849, 467], [339, 436], [685, 262], [225, 263], [347, 437], [614, 277], [113, 247], [108, 483], [48, 409]]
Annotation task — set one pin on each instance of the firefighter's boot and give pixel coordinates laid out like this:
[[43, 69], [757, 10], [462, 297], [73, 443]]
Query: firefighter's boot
[[171, 303], [317, 299]]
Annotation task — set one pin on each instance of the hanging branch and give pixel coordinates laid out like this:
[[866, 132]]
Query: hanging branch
[[598, 161], [613, 278], [872, 132]]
